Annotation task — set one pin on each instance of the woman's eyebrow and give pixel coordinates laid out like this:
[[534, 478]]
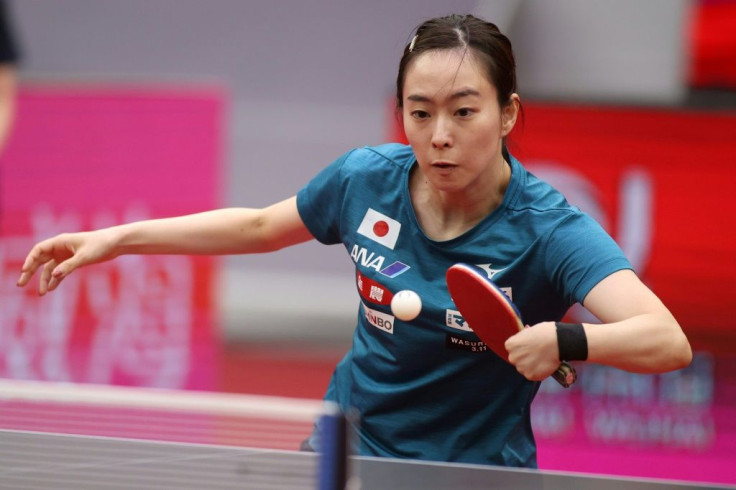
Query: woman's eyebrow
[[464, 92]]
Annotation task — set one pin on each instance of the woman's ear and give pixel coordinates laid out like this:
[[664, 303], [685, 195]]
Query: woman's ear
[[509, 113]]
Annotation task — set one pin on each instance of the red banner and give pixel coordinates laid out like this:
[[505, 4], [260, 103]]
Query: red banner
[[713, 44], [658, 181]]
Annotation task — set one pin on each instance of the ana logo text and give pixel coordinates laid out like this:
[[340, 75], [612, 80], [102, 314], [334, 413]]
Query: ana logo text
[[373, 261]]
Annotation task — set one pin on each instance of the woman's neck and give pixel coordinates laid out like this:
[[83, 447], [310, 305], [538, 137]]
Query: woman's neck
[[445, 215]]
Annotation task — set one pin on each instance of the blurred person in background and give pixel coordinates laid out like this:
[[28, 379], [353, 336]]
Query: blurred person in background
[[9, 57]]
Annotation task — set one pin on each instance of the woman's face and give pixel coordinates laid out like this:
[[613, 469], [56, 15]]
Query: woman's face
[[453, 121]]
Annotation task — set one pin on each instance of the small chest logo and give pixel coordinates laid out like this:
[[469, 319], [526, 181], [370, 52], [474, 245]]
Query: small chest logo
[[380, 320], [373, 261], [454, 319], [373, 291], [380, 228]]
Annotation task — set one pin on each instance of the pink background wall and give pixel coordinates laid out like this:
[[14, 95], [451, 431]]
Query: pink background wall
[[81, 158]]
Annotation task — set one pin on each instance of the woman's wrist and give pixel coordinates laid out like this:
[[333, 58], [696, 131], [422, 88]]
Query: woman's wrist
[[572, 343]]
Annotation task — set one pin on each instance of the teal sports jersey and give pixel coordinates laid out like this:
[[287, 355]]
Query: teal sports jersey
[[429, 388]]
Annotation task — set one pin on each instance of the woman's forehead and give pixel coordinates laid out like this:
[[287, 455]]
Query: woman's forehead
[[445, 70]]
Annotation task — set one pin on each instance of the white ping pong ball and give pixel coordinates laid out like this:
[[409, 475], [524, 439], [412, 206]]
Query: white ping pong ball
[[406, 305]]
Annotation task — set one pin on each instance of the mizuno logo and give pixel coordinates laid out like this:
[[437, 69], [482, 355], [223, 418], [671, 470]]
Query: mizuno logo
[[490, 272]]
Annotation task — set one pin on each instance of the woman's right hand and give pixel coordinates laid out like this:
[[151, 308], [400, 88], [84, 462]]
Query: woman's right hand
[[64, 253]]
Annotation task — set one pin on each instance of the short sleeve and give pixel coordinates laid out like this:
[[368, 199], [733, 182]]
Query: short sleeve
[[579, 254], [320, 202]]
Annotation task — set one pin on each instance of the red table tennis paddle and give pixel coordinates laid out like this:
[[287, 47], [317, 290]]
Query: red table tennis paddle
[[491, 314]]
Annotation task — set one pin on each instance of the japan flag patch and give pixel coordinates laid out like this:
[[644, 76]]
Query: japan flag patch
[[380, 228]]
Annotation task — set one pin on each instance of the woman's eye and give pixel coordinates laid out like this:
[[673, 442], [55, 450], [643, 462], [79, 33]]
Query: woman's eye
[[420, 114], [464, 112]]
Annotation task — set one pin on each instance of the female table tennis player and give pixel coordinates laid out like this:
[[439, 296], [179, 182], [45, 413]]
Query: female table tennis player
[[427, 388]]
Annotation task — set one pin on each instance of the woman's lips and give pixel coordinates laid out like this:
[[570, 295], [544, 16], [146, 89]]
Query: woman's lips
[[444, 167]]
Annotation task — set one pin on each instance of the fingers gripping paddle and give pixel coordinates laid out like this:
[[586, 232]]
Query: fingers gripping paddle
[[491, 314]]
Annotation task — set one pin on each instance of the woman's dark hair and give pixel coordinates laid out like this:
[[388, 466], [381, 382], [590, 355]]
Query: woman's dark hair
[[471, 35]]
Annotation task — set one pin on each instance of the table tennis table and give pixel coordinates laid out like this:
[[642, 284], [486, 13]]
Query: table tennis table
[[37, 460]]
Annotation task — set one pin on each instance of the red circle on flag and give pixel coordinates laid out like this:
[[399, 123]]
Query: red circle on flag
[[380, 228]]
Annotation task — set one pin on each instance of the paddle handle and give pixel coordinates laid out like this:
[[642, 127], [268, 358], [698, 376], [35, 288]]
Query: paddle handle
[[565, 375]]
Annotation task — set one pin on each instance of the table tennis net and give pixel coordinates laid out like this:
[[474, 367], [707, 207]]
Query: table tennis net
[[157, 414]]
